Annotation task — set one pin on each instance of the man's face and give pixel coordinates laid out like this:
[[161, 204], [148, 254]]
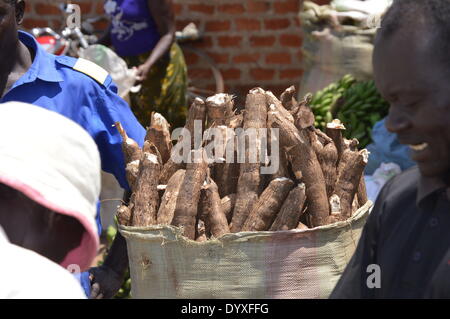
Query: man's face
[[10, 16], [410, 76]]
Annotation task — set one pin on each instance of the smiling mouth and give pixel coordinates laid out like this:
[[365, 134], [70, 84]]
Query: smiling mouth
[[419, 147]]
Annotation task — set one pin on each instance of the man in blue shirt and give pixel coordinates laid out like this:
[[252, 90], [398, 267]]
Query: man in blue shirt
[[81, 91]]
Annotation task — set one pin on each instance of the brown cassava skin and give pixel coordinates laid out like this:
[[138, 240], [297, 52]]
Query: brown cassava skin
[[202, 211], [272, 100], [146, 197], [168, 170], [301, 104], [130, 148], [189, 195], [169, 200], [124, 215], [350, 170], [288, 98], [323, 138], [268, 205], [216, 219], [250, 180], [291, 211], [247, 196], [131, 172], [328, 157], [362, 192], [159, 134], [219, 108], [228, 202], [150, 148], [351, 144], [305, 165], [235, 121], [336, 135], [197, 112], [226, 174], [303, 117], [283, 170]]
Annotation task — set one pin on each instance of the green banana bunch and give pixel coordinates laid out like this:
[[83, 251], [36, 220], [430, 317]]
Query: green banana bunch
[[357, 104], [125, 290], [324, 100], [362, 106]]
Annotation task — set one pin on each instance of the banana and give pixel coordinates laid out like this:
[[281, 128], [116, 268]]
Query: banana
[[361, 107]]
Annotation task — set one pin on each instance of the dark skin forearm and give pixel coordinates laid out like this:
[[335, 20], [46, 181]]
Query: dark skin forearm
[[117, 258], [107, 279], [163, 16]]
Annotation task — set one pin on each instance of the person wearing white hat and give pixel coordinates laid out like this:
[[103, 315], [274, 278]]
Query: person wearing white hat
[[85, 93], [49, 186]]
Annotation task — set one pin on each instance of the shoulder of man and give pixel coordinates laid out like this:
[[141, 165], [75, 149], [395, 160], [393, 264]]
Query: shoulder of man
[[88, 69], [402, 185], [397, 194]]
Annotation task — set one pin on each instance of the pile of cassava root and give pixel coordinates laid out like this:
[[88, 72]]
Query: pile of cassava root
[[319, 180]]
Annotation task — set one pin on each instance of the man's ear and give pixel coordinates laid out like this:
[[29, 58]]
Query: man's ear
[[20, 11]]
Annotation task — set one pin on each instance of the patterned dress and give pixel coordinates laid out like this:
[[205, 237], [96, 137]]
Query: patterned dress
[[134, 35]]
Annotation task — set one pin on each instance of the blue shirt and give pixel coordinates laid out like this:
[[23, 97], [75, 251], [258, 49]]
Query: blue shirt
[[53, 84]]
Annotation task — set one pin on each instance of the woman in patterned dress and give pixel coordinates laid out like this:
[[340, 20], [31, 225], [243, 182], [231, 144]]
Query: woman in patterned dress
[[142, 32]]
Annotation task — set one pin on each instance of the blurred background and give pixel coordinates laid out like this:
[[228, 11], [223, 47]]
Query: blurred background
[[252, 42]]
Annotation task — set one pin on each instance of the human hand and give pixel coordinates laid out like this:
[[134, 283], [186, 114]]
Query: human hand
[[105, 282], [142, 72]]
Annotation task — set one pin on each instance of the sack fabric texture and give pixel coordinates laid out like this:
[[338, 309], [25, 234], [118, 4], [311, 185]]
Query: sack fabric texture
[[283, 264]]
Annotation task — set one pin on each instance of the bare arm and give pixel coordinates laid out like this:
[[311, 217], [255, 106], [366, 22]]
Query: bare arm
[[163, 15], [107, 279]]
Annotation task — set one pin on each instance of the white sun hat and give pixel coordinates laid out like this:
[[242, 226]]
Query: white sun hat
[[55, 162]]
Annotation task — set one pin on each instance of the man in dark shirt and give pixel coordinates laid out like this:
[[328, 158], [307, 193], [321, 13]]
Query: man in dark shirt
[[404, 250]]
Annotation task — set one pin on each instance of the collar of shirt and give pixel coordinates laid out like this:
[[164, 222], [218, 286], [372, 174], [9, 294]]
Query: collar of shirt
[[44, 64], [429, 186]]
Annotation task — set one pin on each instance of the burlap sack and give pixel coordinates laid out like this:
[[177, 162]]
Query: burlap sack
[[285, 264], [329, 54]]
